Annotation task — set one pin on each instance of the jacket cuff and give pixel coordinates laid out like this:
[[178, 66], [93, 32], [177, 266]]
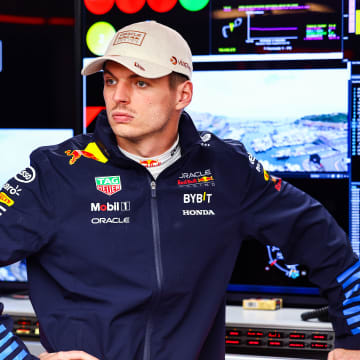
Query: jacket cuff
[[348, 342], [11, 347]]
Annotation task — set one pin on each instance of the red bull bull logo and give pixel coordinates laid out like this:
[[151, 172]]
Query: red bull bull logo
[[205, 179], [150, 163], [76, 155], [91, 151], [197, 181], [277, 182]]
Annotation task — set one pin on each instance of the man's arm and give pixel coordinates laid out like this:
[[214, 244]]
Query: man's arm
[[342, 354], [276, 213], [27, 212], [67, 355]]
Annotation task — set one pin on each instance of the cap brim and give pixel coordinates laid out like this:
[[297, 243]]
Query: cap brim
[[138, 66]]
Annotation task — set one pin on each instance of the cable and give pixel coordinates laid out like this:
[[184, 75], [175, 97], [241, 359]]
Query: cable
[[322, 314]]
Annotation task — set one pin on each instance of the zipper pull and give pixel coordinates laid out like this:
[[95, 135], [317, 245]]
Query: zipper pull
[[153, 188]]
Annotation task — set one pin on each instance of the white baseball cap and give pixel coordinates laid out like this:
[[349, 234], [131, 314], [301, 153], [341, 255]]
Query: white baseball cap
[[147, 48]]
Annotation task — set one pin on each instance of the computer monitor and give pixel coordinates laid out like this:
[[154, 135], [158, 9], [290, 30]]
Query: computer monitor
[[295, 121]]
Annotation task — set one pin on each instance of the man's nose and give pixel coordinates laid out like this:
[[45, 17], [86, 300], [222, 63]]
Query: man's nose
[[122, 93]]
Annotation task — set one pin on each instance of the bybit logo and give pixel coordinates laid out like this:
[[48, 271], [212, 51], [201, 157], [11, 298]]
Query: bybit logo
[[197, 198]]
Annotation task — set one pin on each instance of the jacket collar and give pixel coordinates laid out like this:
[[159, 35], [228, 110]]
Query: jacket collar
[[106, 140]]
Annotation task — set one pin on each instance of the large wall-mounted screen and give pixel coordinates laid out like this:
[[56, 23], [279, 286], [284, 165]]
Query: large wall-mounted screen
[[281, 77]]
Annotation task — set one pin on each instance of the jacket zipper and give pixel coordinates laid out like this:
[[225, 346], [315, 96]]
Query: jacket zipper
[[158, 268]]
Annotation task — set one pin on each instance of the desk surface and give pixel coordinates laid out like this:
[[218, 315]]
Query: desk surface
[[235, 315], [255, 357], [282, 318]]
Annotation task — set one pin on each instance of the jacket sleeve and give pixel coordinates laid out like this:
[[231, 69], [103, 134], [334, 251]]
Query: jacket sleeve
[[279, 214], [26, 210], [11, 347]]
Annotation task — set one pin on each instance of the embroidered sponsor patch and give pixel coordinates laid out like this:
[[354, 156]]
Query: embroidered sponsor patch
[[108, 185], [27, 175], [115, 206], [200, 198], [196, 178], [6, 200], [199, 212], [175, 61], [110, 220], [130, 37], [91, 151], [150, 163], [12, 190], [267, 177]]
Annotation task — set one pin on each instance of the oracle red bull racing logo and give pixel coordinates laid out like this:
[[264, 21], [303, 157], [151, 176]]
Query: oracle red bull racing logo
[[196, 178]]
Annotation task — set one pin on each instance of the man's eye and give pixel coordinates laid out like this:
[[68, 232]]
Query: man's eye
[[141, 84], [110, 81]]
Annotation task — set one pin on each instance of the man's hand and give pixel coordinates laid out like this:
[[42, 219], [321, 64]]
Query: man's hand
[[342, 354], [67, 355]]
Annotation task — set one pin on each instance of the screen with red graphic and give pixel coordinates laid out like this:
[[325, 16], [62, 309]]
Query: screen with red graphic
[[227, 26]]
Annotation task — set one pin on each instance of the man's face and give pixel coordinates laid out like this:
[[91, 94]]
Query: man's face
[[139, 109]]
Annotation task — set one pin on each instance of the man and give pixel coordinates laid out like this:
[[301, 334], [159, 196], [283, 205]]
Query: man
[[132, 232]]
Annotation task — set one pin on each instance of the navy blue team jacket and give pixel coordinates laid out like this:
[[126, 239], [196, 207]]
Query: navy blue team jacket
[[126, 267]]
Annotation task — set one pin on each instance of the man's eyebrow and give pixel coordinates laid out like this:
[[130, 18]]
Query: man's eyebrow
[[131, 76], [106, 71]]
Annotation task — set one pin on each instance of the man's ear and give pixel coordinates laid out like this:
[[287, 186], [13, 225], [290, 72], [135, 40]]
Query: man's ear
[[185, 92]]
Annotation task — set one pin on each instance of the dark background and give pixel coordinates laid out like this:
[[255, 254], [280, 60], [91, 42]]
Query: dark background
[[37, 84]]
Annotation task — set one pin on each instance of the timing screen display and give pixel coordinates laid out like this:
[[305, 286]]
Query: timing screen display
[[226, 27], [276, 26]]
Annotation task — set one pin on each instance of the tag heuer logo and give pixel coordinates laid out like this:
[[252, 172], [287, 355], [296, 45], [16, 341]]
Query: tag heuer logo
[[109, 185]]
